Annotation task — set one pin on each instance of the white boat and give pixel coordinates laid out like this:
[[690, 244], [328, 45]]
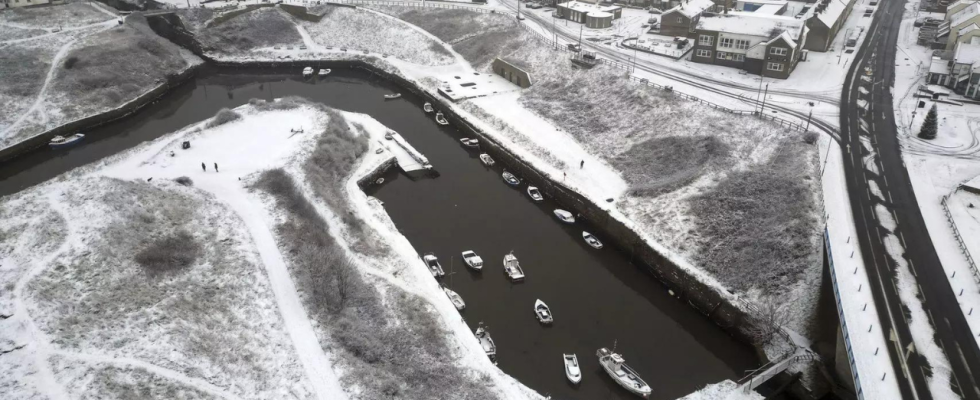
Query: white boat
[[543, 313], [470, 142], [615, 366], [432, 263], [534, 193], [61, 141], [455, 298], [591, 240], [513, 268], [572, 370], [486, 159], [324, 71], [392, 96], [472, 260], [483, 335], [441, 119], [510, 178], [427, 107], [565, 216], [307, 71]]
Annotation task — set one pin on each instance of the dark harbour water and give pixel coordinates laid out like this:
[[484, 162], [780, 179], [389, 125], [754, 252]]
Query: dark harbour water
[[598, 298]]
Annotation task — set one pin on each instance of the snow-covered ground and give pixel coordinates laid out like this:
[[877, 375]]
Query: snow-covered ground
[[249, 336], [937, 167], [725, 390], [76, 61]]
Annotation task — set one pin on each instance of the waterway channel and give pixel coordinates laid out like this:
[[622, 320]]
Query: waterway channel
[[598, 298]]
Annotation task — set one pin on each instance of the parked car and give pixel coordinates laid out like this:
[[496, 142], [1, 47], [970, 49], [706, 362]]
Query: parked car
[[653, 10]]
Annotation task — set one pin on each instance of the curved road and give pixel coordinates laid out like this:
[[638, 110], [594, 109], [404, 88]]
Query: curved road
[[873, 70]]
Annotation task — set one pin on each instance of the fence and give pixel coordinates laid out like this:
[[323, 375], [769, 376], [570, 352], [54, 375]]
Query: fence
[[843, 321], [766, 372], [797, 126], [959, 239], [417, 4]]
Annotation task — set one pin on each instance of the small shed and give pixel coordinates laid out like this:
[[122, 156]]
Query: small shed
[[512, 72], [598, 19]]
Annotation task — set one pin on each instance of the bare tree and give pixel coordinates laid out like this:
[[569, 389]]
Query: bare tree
[[771, 315], [345, 281]]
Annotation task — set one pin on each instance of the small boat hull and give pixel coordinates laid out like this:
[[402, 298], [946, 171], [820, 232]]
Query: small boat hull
[[470, 142], [534, 193], [307, 71], [455, 298], [591, 240], [392, 96], [440, 119], [427, 107], [510, 179], [513, 269], [543, 312], [472, 260], [615, 366], [324, 72], [572, 370], [565, 216], [432, 263], [487, 160], [59, 142], [486, 342]]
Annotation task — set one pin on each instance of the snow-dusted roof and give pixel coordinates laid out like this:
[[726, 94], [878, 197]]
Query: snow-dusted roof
[[830, 14], [965, 14], [969, 28], [967, 53], [599, 14], [939, 66], [692, 8], [770, 9], [786, 37], [588, 7], [752, 24]]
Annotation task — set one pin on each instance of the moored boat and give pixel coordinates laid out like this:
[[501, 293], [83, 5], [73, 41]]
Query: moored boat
[[534, 193], [325, 71], [565, 216], [455, 298], [615, 366], [486, 159], [307, 71], [512, 268], [392, 96], [427, 107], [441, 119], [483, 335], [510, 178], [472, 260], [572, 370], [432, 263], [542, 312], [61, 141], [591, 240], [468, 142]]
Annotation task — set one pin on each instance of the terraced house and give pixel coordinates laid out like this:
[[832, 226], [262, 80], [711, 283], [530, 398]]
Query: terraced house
[[767, 45]]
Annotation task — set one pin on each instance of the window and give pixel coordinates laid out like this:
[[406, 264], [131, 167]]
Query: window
[[703, 53], [680, 20], [731, 56], [725, 42], [741, 44], [777, 51], [705, 40], [774, 66]]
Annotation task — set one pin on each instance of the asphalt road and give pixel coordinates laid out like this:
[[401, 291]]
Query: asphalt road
[[873, 70]]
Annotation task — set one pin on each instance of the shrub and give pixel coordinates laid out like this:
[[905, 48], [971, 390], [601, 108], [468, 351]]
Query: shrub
[[183, 180], [70, 62], [929, 126], [223, 116], [661, 165], [170, 253], [810, 137]]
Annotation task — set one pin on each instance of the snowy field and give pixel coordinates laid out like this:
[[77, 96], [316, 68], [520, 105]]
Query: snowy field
[[89, 66], [101, 304], [937, 168]]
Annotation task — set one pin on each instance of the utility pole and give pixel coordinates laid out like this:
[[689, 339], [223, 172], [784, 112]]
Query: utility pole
[[580, 37], [553, 32], [913, 119], [764, 94], [759, 93], [808, 120]]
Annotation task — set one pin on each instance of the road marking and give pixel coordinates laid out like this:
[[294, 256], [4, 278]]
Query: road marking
[[902, 236]]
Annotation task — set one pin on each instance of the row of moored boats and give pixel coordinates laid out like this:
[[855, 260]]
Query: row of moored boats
[[613, 363]]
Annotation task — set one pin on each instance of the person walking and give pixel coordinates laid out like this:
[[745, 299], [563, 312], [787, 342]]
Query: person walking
[[215, 167], [204, 167], [581, 164]]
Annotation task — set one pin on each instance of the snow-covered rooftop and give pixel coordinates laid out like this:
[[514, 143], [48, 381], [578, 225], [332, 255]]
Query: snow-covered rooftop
[[969, 28], [967, 53], [786, 37], [834, 10], [747, 23], [770, 9], [964, 15], [939, 66], [588, 7], [692, 8], [600, 14]]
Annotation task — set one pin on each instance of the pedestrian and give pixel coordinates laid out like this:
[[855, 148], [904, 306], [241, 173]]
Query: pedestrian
[[581, 164], [564, 175], [215, 167], [204, 167]]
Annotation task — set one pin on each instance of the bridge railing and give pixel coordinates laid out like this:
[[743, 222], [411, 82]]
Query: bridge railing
[[959, 239], [859, 392]]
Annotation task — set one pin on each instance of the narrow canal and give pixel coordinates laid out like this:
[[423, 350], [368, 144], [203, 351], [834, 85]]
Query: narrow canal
[[598, 298]]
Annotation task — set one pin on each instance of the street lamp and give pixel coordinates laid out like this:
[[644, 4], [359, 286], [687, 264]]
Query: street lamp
[[913, 119]]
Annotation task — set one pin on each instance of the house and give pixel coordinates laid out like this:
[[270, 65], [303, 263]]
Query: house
[[23, 3], [825, 23], [682, 19], [767, 45], [958, 70], [960, 25], [593, 15]]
